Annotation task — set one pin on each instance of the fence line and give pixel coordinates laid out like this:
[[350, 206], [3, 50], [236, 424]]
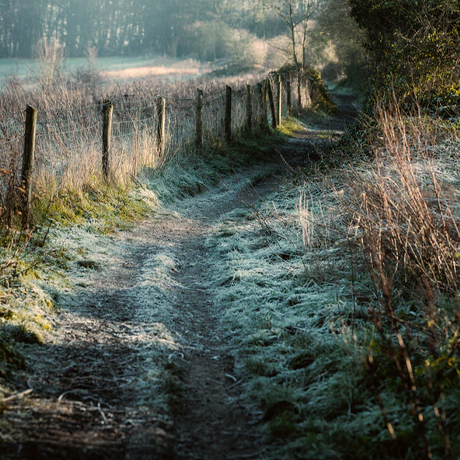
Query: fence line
[[172, 122]]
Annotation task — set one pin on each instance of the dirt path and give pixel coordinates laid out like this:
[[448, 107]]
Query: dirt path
[[146, 324]]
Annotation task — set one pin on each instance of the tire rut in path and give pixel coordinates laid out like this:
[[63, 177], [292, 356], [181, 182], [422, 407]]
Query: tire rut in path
[[213, 419]]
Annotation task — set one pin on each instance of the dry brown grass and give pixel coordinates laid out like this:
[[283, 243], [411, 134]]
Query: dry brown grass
[[403, 209], [68, 147]]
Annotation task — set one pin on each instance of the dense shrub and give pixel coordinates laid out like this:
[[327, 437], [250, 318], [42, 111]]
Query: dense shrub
[[412, 50]]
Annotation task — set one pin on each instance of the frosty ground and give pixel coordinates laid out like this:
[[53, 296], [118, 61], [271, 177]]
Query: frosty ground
[[190, 334]]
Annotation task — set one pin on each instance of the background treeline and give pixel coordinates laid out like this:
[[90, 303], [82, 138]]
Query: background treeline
[[248, 32], [117, 27]]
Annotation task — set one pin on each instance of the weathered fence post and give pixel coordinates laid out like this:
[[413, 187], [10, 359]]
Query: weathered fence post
[[161, 113], [260, 103], [305, 90], [249, 108], [263, 96], [107, 113], [289, 98], [199, 119], [272, 104], [299, 90], [228, 114], [309, 92], [279, 115], [28, 163]]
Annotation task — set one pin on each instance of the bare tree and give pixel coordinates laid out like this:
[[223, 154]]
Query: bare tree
[[296, 14]]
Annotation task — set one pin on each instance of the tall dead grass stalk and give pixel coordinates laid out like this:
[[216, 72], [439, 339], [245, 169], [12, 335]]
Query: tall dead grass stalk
[[403, 209]]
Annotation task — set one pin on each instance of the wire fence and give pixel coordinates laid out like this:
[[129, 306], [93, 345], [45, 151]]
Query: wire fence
[[68, 142]]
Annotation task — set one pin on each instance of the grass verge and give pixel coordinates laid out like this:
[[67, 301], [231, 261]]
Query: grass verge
[[340, 300]]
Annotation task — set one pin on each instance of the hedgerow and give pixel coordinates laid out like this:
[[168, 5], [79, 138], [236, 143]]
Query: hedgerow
[[412, 52]]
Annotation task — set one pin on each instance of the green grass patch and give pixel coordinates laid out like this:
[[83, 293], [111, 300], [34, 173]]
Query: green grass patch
[[290, 127], [190, 175], [107, 206]]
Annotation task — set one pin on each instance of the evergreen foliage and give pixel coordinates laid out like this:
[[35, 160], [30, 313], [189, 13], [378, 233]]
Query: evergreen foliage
[[413, 51]]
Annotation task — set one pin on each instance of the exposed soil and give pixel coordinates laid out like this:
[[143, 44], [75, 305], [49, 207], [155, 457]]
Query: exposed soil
[[86, 401]]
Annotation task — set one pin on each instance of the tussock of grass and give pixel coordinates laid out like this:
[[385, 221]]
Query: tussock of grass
[[290, 126], [108, 207], [26, 305]]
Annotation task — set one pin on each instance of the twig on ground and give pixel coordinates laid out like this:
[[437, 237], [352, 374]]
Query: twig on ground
[[17, 396]]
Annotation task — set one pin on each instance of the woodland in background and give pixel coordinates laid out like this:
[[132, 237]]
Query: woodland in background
[[245, 32], [123, 26]]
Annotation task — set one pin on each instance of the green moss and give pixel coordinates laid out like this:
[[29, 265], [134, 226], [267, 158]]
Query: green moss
[[106, 206], [290, 127]]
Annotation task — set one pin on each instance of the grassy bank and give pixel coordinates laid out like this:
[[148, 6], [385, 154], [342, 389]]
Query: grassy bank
[[341, 300]]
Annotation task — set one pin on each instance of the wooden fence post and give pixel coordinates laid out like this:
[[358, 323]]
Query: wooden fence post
[[199, 119], [249, 108], [305, 90], [289, 97], [299, 90], [272, 104], [107, 113], [260, 103], [28, 163], [264, 96], [309, 91], [161, 113], [228, 114], [279, 114]]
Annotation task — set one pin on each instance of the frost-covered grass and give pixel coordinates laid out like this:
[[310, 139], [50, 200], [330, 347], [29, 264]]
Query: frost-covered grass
[[339, 299], [192, 174], [26, 304], [34, 265], [288, 305], [73, 237], [57, 273], [145, 329]]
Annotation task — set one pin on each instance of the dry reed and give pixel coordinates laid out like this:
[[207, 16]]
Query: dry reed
[[403, 209]]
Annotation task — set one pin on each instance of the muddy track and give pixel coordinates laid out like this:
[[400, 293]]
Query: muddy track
[[88, 394]]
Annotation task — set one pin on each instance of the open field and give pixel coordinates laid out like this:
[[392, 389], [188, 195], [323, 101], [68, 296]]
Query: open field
[[121, 69]]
